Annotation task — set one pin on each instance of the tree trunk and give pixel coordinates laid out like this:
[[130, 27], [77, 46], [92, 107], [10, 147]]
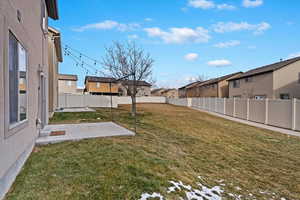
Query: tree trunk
[[133, 106]]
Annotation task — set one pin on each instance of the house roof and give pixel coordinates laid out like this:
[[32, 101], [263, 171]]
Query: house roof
[[189, 85], [67, 77], [139, 83], [216, 80], [157, 90], [52, 9], [109, 80], [57, 42], [267, 68], [99, 79]]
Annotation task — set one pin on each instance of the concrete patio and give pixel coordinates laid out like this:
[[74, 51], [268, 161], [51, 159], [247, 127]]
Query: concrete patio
[[81, 131]]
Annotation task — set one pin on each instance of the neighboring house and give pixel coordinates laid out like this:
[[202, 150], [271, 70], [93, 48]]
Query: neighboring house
[[143, 88], [24, 76], [108, 86], [67, 84], [217, 87], [185, 91], [169, 93], [101, 86], [54, 58], [280, 80], [157, 92]]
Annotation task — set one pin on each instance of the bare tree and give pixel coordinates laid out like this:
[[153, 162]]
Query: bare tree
[[130, 64]]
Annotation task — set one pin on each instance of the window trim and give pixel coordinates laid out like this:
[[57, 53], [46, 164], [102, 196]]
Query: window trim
[[12, 129]]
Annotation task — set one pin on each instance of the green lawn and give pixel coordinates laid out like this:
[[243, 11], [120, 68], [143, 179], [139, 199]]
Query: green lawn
[[172, 144]]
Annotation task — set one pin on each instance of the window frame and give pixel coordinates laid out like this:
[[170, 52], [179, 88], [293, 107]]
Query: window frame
[[236, 83], [11, 129], [284, 94]]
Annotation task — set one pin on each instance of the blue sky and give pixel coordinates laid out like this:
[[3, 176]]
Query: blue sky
[[186, 38]]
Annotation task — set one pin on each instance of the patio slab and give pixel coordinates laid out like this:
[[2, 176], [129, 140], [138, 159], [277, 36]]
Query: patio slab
[[76, 110], [82, 131]]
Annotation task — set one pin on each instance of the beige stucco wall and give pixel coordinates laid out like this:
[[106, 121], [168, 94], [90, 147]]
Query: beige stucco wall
[[260, 85], [53, 75], [286, 81], [29, 33], [63, 87]]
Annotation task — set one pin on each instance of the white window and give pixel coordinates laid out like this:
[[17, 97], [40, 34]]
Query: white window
[[17, 88], [97, 85]]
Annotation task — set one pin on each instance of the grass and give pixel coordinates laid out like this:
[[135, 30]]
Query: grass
[[173, 143]]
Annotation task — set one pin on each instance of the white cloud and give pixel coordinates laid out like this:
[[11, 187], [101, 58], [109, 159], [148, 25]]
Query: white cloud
[[293, 55], [219, 63], [226, 7], [231, 43], [180, 35], [133, 37], [203, 4], [148, 19], [108, 25], [251, 47], [223, 27], [207, 4], [191, 56], [252, 3]]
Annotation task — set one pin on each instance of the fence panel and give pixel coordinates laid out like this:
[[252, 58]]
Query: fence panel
[[179, 102], [280, 113], [220, 105], [241, 108], [297, 114], [229, 107], [206, 103], [257, 110]]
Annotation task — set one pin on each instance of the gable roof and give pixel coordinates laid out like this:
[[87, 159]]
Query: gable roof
[[216, 80], [99, 79], [189, 85], [266, 68], [139, 83], [67, 77]]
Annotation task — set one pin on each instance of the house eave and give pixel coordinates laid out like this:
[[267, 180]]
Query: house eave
[[52, 9]]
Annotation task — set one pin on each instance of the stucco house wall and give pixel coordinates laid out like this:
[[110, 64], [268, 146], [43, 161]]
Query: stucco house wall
[[286, 81], [260, 85], [53, 72], [16, 142]]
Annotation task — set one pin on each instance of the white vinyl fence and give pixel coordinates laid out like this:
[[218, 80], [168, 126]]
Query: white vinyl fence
[[274, 112], [79, 101]]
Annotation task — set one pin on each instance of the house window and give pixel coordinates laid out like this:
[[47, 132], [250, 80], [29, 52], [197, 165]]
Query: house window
[[248, 79], [284, 96], [236, 84], [260, 97], [97, 85], [17, 88], [69, 83]]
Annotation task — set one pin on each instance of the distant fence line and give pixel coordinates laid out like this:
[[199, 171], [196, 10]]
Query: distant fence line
[[275, 112], [77, 101]]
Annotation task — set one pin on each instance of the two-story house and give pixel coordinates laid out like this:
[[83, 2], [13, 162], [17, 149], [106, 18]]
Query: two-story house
[[216, 87], [280, 80], [109, 86], [24, 76], [67, 84]]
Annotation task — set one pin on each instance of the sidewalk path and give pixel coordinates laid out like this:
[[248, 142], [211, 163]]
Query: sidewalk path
[[250, 123]]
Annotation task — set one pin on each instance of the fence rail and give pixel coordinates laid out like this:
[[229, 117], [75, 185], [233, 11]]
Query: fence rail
[[274, 112]]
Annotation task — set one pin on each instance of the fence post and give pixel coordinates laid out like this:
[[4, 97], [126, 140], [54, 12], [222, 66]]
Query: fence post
[[248, 109], [224, 106], [294, 114], [267, 110], [234, 107]]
